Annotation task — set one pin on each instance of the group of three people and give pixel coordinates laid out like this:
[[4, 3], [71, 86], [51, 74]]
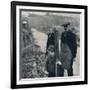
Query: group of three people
[[60, 51]]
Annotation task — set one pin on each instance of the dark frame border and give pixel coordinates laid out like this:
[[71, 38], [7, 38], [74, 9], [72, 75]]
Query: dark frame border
[[13, 44]]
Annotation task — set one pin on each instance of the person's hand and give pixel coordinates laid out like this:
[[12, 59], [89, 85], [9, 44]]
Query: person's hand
[[74, 59], [58, 62], [46, 72]]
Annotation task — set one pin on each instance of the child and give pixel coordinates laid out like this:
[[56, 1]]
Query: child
[[50, 64]]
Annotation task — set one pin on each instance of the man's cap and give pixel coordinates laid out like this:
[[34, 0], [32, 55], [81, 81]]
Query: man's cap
[[24, 22], [65, 24]]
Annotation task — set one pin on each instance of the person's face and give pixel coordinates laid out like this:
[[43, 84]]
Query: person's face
[[51, 30], [25, 26], [65, 28], [68, 27]]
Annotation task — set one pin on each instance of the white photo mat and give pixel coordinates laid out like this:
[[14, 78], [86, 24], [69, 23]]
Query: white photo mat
[[55, 79]]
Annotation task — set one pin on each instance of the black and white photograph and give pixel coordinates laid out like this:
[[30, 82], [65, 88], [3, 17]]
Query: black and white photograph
[[49, 45]]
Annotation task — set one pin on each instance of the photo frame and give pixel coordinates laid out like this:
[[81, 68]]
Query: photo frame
[[31, 50]]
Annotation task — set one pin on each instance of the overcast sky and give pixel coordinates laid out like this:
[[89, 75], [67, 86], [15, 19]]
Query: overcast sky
[[26, 13]]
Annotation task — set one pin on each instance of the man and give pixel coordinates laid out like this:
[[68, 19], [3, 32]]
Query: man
[[50, 53], [53, 49], [68, 49]]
